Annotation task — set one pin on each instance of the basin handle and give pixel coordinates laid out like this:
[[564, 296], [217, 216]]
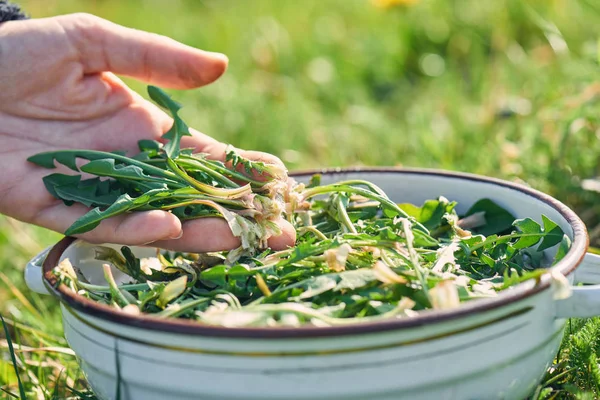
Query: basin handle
[[584, 301], [33, 272]]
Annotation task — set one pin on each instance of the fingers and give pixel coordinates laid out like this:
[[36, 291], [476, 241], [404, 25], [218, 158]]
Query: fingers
[[287, 237], [134, 229], [213, 234], [157, 228], [105, 46]]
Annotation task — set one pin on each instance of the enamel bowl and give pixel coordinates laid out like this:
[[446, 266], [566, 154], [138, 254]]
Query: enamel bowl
[[495, 348]]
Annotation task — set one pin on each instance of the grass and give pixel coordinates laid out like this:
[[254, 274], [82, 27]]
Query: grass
[[505, 88]]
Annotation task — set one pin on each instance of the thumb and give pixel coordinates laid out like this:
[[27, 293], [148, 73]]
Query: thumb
[[104, 46]]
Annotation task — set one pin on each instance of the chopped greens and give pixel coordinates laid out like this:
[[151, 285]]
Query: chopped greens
[[359, 256]]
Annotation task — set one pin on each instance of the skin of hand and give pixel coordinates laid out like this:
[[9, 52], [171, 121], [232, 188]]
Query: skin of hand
[[59, 90]]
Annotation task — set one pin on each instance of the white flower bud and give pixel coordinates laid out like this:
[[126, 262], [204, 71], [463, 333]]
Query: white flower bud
[[444, 296], [336, 258]]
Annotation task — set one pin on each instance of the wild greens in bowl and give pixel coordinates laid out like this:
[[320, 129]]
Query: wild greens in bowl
[[359, 256]]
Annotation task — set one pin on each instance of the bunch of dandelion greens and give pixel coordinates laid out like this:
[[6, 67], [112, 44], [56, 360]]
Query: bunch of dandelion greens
[[166, 177], [359, 256]]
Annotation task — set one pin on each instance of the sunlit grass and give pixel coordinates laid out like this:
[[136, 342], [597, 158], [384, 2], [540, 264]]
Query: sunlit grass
[[47, 366], [505, 88]]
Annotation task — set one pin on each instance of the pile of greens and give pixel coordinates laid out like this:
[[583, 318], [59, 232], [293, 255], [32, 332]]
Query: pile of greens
[[359, 256]]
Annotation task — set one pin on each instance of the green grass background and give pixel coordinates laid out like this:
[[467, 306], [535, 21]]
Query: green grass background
[[505, 88]]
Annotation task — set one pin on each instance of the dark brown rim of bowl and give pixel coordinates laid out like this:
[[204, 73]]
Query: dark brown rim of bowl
[[566, 266]]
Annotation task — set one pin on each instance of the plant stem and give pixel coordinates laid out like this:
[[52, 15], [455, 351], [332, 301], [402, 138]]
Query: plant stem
[[193, 163], [177, 309], [314, 230], [414, 257], [234, 174], [106, 289], [368, 184], [118, 296], [384, 201], [234, 193], [343, 216], [191, 200]]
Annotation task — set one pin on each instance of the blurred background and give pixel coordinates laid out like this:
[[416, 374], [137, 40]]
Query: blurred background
[[505, 88]]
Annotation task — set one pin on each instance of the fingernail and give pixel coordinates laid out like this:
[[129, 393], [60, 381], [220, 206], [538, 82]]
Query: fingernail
[[178, 236]]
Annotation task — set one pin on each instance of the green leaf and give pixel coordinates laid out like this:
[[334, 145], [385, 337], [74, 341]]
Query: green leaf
[[149, 145], [113, 257], [389, 211], [498, 220], [161, 98], [90, 192], [173, 290], [133, 268], [353, 280], [107, 168], [532, 230], [93, 218], [316, 286], [472, 240], [423, 239], [68, 157], [216, 274], [431, 214], [53, 180], [563, 249], [544, 393], [178, 129], [553, 234], [174, 135], [487, 260], [13, 358], [240, 271], [315, 180], [410, 209], [150, 151], [123, 204], [307, 249], [86, 195]]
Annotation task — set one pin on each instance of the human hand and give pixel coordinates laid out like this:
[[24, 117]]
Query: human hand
[[60, 91]]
